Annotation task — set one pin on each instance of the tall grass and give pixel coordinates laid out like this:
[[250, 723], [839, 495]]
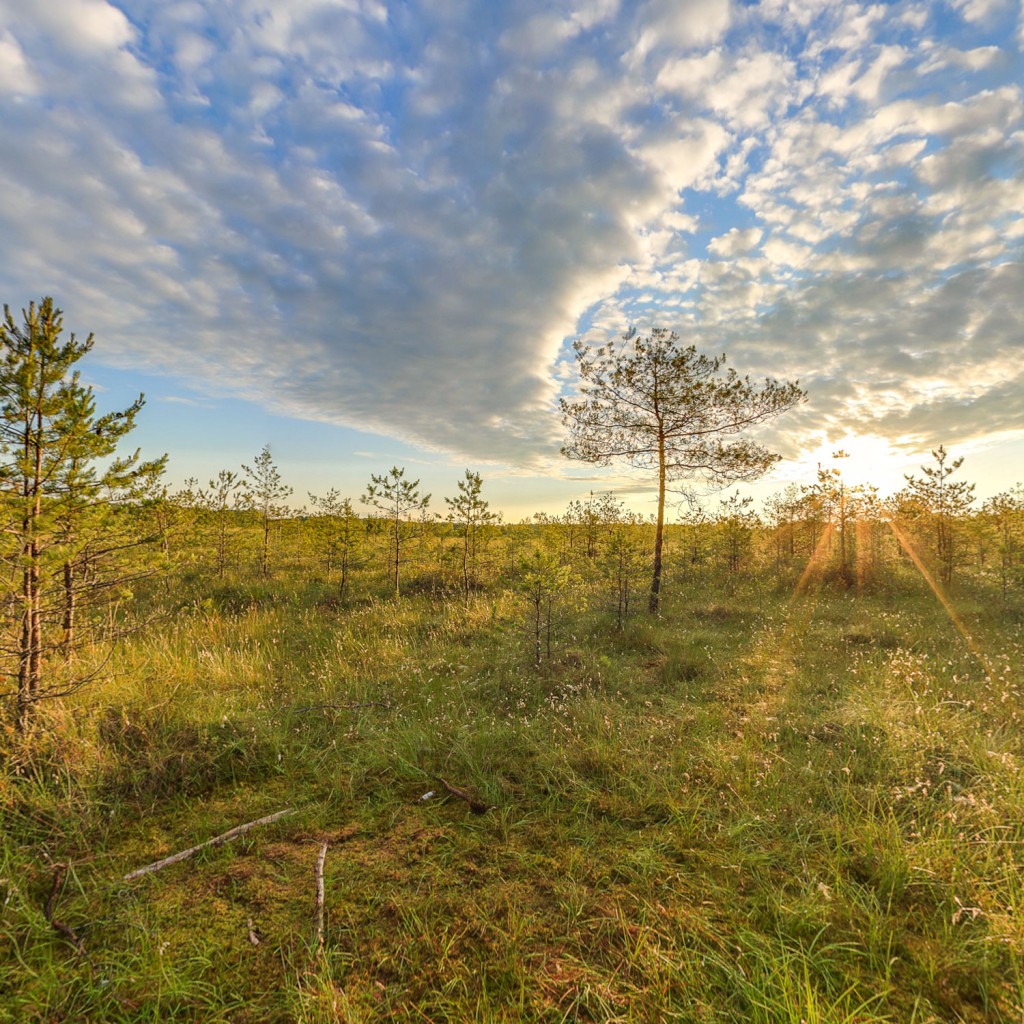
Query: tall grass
[[760, 807]]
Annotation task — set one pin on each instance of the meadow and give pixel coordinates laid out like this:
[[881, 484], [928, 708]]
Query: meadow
[[785, 798]]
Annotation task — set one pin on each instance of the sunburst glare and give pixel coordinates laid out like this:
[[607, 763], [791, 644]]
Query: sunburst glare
[[865, 459]]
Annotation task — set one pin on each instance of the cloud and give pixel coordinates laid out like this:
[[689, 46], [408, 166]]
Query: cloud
[[16, 76], [980, 10], [178, 400], [743, 89], [678, 24], [735, 242], [392, 216], [871, 85], [92, 27]]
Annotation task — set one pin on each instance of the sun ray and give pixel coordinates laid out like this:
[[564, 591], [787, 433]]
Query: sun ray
[[815, 561], [939, 591], [862, 536]]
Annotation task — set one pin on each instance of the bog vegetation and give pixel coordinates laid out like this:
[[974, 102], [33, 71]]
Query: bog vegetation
[[793, 794]]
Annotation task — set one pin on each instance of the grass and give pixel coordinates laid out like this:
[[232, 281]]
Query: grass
[[781, 805]]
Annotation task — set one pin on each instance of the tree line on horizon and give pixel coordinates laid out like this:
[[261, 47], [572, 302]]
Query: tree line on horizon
[[84, 526]]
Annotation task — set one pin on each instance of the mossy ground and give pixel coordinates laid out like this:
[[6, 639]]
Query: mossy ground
[[791, 803]]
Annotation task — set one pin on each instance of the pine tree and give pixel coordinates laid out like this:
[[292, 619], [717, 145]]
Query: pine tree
[[783, 511], [737, 521], [1004, 513], [60, 485], [397, 498], [622, 552], [263, 492], [943, 502], [337, 527], [544, 581], [671, 410], [469, 511], [218, 502], [841, 505]]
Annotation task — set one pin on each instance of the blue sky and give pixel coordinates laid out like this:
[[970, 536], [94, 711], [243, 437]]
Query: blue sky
[[366, 233]]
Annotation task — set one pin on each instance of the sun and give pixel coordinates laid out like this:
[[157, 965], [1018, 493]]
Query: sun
[[861, 458]]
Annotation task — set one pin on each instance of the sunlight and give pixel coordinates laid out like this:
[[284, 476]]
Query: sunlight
[[870, 459], [939, 591]]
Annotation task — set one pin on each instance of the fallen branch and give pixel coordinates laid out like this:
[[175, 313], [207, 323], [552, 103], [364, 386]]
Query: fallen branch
[[216, 841], [339, 707], [476, 806], [59, 926], [318, 905]]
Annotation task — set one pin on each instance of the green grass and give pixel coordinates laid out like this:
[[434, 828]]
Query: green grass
[[764, 806]]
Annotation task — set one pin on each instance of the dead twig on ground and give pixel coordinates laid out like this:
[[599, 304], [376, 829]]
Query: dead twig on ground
[[59, 926], [318, 904], [476, 806], [216, 841], [338, 707]]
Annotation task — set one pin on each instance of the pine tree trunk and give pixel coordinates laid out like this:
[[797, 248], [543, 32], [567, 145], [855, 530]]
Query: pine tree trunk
[[69, 608], [30, 648], [843, 560], [621, 591], [398, 554], [24, 653], [537, 631], [659, 535], [265, 555]]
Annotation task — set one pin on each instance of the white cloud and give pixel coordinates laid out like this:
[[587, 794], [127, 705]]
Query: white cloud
[[680, 160], [16, 76], [1001, 108], [679, 221], [856, 25], [744, 89], [837, 82], [679, 24], [786, 253], [980, 10], [540, 36], [735, 242], [869, 87], [977, 59], [87, 26], [193, 51]]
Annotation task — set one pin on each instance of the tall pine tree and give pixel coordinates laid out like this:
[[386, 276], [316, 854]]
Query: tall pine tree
[[671, 411], [65, 536]]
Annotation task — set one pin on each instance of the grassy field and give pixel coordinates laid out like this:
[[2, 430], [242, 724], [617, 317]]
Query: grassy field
[[778, 802]]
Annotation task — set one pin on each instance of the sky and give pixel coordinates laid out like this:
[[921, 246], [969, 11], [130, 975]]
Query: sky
[[367, 233]]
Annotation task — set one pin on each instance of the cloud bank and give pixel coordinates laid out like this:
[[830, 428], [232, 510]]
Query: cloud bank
[[392, 216]]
